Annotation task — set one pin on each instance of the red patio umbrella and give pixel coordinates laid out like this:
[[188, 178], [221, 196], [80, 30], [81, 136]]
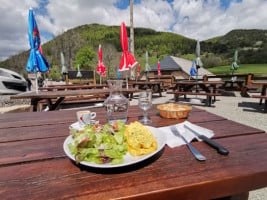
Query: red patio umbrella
[[101, 69], [127, 59], [159, 73], [138, 70]]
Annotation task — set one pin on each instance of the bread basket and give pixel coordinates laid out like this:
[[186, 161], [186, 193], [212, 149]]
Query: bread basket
[[174, 111]]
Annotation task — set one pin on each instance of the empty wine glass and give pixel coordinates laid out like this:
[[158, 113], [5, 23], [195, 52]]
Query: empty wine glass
[[145, 102]]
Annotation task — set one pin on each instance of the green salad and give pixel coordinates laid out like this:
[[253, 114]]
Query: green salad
[[99, 143]]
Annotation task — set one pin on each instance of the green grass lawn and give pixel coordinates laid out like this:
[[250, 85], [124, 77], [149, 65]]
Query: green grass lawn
[[256, 69]]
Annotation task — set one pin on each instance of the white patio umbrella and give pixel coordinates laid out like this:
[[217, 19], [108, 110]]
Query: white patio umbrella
[[64, 70], [79, 74], [147, 66], [234, 65]]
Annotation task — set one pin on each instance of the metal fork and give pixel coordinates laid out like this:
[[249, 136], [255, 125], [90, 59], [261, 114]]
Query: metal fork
[[194, 151]]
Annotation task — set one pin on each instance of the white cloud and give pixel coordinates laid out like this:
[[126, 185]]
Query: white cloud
[[209, 20], [196, 19]]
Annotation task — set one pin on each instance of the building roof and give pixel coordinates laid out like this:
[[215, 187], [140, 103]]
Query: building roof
[[172, 63]]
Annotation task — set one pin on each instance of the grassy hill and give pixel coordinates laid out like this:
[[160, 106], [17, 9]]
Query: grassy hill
[[251, 44], [256, 69]]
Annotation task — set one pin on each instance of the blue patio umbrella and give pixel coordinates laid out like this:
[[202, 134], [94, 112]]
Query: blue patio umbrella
[[36, 62], [193, 71], [118, 73]]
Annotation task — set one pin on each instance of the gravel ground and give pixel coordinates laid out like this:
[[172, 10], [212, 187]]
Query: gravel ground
[[5, 101], [233, 107]]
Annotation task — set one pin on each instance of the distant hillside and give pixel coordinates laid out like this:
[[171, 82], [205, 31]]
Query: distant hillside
[[158, 44], [252, 46]]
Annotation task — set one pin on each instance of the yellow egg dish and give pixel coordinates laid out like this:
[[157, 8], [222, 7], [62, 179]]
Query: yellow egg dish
[[140, 140]]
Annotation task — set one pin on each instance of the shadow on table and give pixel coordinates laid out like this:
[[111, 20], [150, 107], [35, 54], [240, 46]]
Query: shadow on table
[[251, 106], [124, 169]]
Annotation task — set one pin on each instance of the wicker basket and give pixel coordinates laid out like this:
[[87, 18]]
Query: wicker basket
[[174, 111]]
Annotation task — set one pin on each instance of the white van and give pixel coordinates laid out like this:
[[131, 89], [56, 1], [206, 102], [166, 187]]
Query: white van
[[11, 82]]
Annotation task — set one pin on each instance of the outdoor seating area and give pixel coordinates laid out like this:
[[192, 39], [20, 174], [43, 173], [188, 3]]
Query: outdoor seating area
[[210, 87]]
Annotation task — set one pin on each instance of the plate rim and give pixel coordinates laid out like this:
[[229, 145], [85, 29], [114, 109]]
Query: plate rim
[[157, 135]]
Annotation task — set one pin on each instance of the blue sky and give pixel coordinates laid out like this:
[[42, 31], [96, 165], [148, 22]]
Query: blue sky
[[197, 19]]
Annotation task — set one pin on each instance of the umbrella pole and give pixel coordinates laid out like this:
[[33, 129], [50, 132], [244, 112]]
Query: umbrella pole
[[36, 80], [127, 81], [67, 79]]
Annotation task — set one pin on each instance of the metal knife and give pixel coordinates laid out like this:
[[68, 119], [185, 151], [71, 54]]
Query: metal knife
[[220, 149]]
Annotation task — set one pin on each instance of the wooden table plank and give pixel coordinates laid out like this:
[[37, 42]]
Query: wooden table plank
[[31, 150], [168, 177], [64, 116], [38, 139]]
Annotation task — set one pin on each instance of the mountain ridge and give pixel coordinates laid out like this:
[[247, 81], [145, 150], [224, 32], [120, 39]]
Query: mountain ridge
[[251, 43]]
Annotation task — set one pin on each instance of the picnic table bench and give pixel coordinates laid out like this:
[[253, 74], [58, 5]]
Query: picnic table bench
[[167, 81], [203, 88], [208, 95], [155, 86], [263, 95], [53, 99], [73, 87]]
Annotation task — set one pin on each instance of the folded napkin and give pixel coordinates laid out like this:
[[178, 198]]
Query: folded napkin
[[174, 141]]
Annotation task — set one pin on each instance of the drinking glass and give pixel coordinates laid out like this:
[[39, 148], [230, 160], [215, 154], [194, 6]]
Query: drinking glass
[[145, 102]]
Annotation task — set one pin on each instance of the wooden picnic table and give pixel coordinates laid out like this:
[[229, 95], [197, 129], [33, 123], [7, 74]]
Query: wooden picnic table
[[72, 87], [55, 98], [33, 164], [193, 87], [155, 86], [236, 85], [263, 95]]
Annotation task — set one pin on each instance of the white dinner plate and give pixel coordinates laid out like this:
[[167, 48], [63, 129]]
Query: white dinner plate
[[128, 158]]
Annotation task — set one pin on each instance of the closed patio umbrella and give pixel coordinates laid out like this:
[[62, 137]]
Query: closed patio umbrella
[[101, 69], [138, 70], [127, 59], [147, 66], [198, 60], [79, 74], [64, 70], [234, 65], [193, 71], [159, 73], [36, 62]]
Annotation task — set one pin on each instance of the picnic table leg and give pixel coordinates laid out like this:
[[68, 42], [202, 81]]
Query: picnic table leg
[[208, 100], [244, 90], [265, 106], [55, 106], [34, 103], [263, 92], [159, 88], [176, 97]]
